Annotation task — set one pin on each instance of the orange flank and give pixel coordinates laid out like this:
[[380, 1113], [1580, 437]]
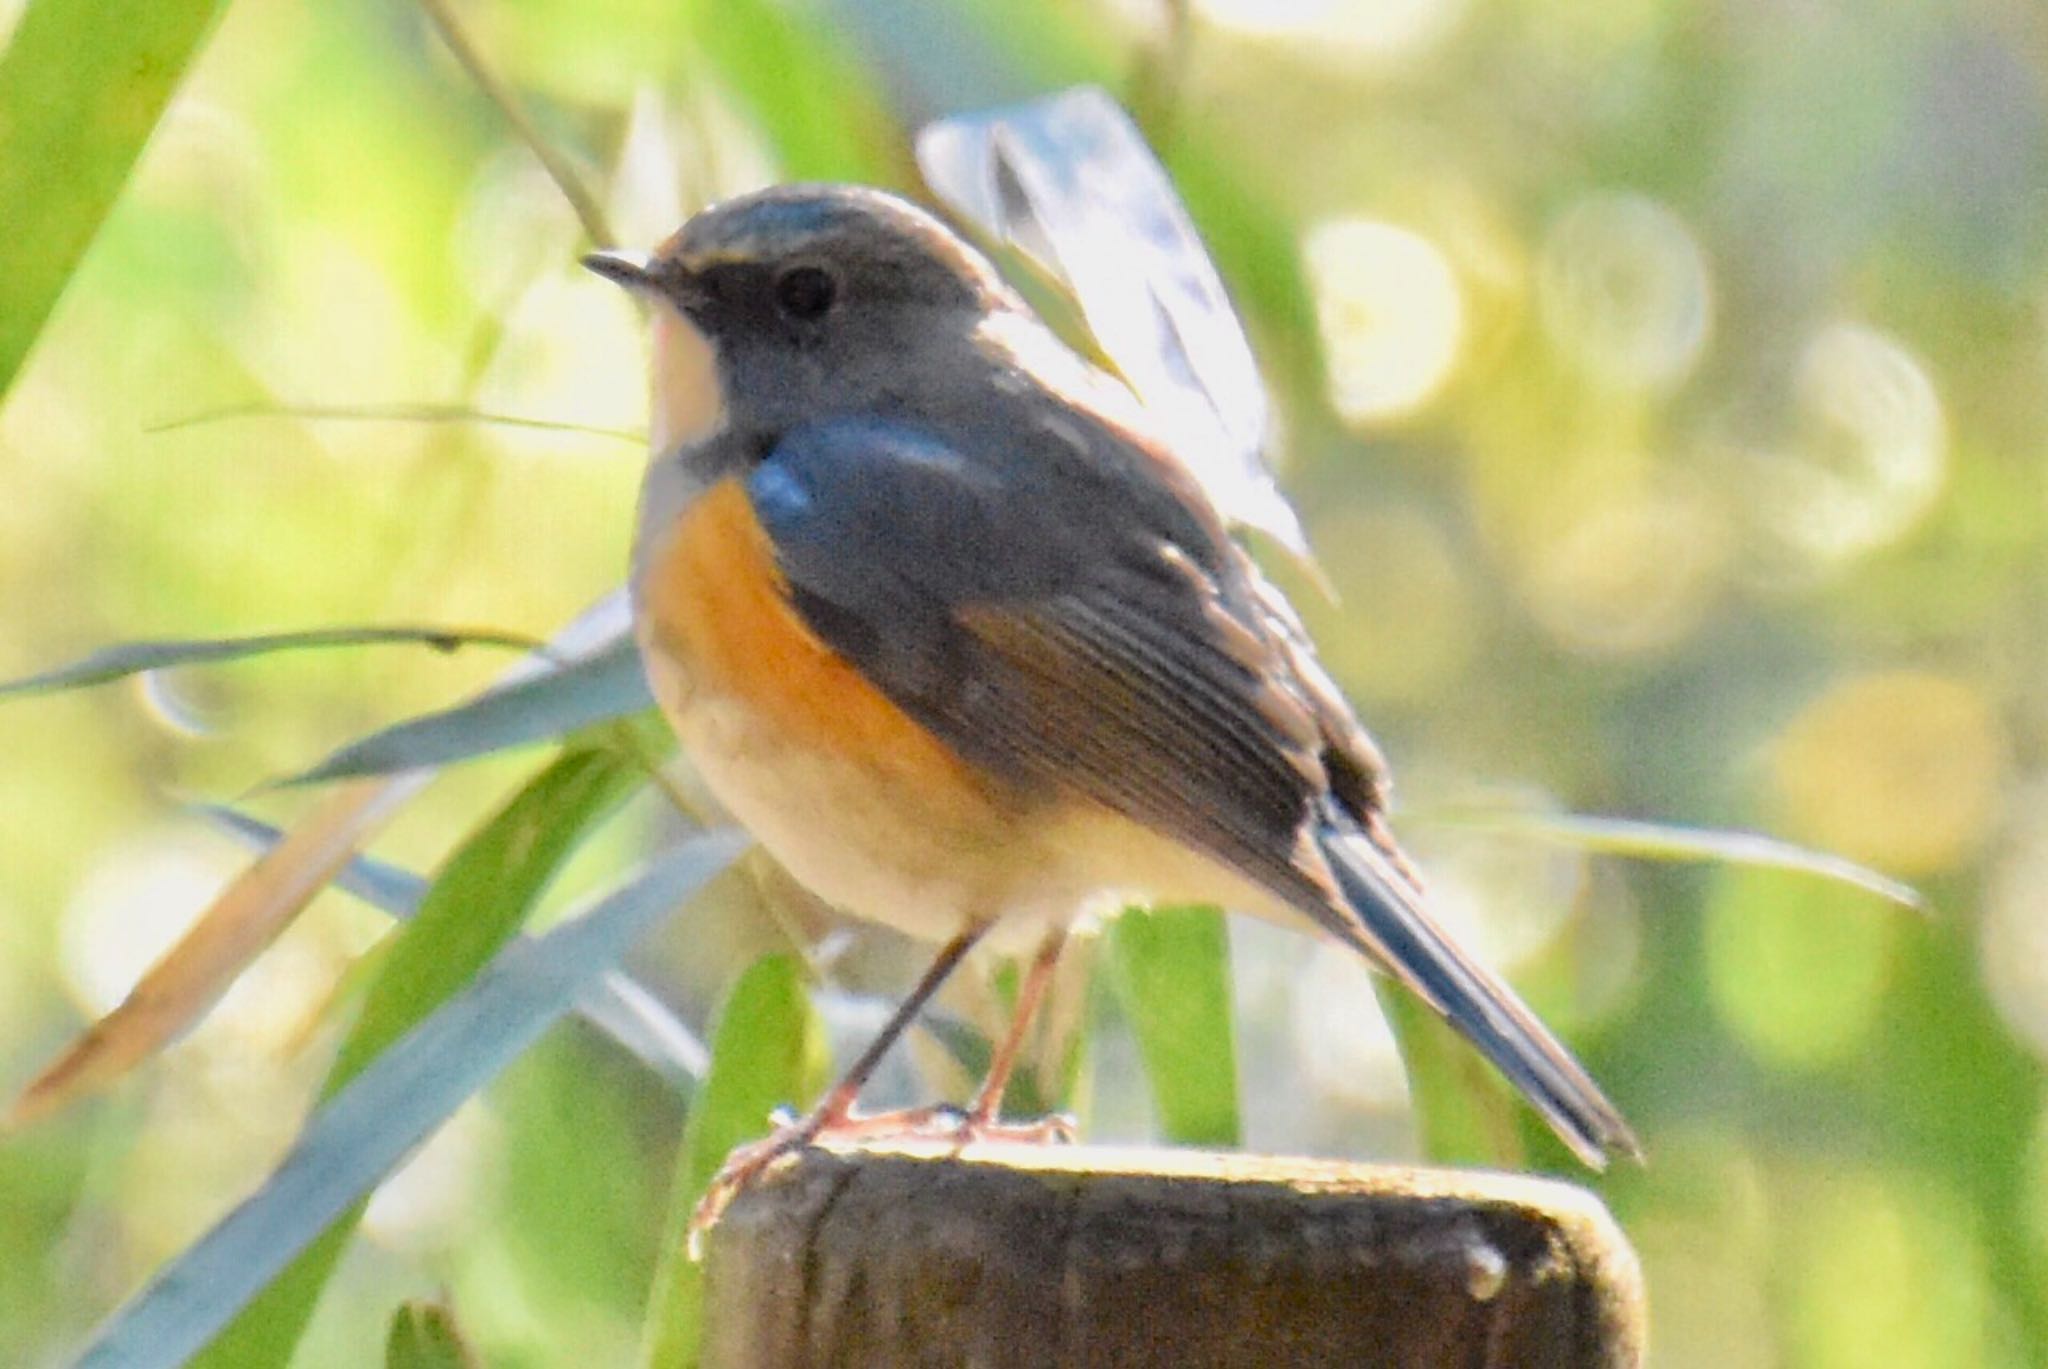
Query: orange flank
[[716, 600]]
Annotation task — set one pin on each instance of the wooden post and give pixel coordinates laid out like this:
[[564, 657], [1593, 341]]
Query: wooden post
[[1028, 1256]]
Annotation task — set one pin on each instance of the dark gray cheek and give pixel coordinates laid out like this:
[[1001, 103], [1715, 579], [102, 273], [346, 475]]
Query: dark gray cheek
[[777, 389]]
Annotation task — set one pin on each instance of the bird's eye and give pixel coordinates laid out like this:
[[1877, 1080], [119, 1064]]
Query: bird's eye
[[805, 292]]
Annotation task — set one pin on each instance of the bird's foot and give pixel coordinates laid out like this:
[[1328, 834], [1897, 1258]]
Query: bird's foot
[[941, 1122]]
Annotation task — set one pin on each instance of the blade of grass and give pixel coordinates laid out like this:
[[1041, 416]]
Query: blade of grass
[[133, 658], [603, 685], [82, 85], [616, 1005], [1170, 969], [177, 990], [588, 212], [769, 1051], [258, 905], [817, 106], [1643, 840], [392, 413], [357, 1136], [1464, 1112], [1068, 180], [474, 907], [424, 1336]]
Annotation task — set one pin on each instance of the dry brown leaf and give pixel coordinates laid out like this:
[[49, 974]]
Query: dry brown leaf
[[252, 911], [249, 914]]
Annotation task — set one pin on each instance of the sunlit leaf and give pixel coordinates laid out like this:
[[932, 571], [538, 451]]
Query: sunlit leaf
[[132, 658], [82, 84], [768, 1052], [1171, 971], [424, 1336], [357, 1136], [1465, 1114], [179, 988], [800, 83], [601, 686], [474, 907], [251, 911], [1069, 181], [557, 164], [394, 413], [616, 1005], [1673, 842]]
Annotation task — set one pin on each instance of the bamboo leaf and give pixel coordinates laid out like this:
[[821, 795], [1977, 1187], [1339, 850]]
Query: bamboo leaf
[[1171, 972], [1673, 842], [188, 978], [1465, 1114], [1069, 181], [598, 687], [587, 210], [259, 904], [394, 413], [133, 658], [616, 1004], [359, 1134], [814, 102], [768, 1052], [424, 1336], [475, 906], [82, 85]]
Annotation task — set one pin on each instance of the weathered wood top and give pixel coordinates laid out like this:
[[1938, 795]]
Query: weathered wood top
[[1040, 1256]]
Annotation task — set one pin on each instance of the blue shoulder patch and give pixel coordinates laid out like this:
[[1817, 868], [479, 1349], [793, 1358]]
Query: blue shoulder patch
[[778, 494]]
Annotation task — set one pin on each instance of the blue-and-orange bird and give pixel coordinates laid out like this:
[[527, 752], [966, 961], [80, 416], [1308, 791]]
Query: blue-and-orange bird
[[969, 650]]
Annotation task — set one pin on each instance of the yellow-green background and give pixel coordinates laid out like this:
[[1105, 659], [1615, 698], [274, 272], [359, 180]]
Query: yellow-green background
[[1665, 386]]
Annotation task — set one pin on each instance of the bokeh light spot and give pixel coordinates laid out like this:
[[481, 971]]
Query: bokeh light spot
[[1870, 453], [136, 901], [1623, 290], [1900, 770], [1341, 30], [1797, 965], [1340, 1035], [1886, 1270], [1705, 1243], [1403, 625], [424, 1204], [1391, 312], [1630, 575], [2013, 936]]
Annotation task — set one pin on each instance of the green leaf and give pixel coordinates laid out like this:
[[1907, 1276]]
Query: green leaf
[[616, 1004], [603, 685], [796, 77], [82, 85], [1642, 840], [1068, 180], [132, 658], [424, 1336], [395, 413], [475, 906], [769, 1051], [1465, 1114], [396, 1103], [1171, 972]]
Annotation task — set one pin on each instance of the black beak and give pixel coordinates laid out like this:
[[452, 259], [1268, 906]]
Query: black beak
[[633, 270]]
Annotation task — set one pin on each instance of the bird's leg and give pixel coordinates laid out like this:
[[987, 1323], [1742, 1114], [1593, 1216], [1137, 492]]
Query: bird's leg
[[834, 1113], [984, 1114]]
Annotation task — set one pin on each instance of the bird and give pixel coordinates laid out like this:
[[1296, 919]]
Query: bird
[[942, 619]]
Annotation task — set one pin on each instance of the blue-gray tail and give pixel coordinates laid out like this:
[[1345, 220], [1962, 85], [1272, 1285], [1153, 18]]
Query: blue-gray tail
[[1389, 924]]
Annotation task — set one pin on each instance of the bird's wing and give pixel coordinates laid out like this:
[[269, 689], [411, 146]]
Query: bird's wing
[[1090, 630], [1068, 643]]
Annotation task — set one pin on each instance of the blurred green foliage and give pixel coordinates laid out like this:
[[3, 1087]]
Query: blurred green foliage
[[1664, 387]]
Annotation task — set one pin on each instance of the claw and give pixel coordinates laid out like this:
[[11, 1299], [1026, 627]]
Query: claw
[[962, 1127]]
